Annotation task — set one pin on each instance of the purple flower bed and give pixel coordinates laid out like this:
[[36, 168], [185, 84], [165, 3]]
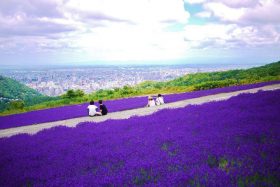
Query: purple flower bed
[[189, 95], [73, 111], [227, 143], [66, 112]]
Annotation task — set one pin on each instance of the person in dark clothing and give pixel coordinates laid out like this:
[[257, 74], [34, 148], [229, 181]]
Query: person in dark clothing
[[103, 108]]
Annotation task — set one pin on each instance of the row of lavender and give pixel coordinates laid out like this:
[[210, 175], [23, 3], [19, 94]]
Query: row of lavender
[[73, 111], [228, 143]]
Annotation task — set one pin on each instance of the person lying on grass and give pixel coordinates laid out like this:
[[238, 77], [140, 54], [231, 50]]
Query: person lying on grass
[[92, 110], [102, 108]]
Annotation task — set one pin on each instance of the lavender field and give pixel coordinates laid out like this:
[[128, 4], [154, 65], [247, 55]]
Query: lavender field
[[227, 143], [73, 111]]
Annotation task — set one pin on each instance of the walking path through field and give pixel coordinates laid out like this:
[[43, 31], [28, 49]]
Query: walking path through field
[[32, 129]]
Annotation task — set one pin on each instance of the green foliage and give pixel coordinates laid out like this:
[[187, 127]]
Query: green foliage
[[228, 78], [215, 84], [212, 161], [127, 90], [145, 177], [12, 90], [223, 163], [258, 180], [16, 105], [3, 105], [198, 81], [80, 93], [70, 94]]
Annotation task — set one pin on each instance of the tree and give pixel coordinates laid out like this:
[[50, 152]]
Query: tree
[[70, 94], [73, 94], [79, 93]]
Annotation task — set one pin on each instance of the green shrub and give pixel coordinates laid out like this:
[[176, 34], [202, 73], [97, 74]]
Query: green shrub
[[16, 105], [73, 94]]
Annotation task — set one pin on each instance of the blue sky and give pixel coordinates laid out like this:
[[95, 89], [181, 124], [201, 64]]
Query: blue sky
[[42, 32]]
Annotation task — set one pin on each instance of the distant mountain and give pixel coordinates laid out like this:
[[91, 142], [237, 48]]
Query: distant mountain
[[13, 90]]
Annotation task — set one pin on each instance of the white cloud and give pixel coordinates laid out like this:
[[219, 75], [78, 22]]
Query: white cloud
[[133, 42], [136, 11], [265, 12], [99, 29], [224, 12], [239, 3], [204, 14], [143, 34], [134, 29], [246, 12], [195, 1], [230, 36], [203, 36], [230, 3]]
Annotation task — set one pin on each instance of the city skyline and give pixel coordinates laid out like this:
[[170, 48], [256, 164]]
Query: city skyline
[[56, 81], [132, 32]]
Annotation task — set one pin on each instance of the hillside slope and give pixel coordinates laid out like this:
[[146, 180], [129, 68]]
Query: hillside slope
[[229, 143], [13, 90], [202, 81]]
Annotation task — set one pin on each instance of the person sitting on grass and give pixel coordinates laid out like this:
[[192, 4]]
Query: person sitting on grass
[[159, 100], [92, 110], [151, 102], [102, 108]]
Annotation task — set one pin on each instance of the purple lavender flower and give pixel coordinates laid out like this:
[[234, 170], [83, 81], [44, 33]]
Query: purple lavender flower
[[226, 143], [73, 111]]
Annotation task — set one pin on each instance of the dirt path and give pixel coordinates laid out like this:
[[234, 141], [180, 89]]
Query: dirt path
[[32, 129]]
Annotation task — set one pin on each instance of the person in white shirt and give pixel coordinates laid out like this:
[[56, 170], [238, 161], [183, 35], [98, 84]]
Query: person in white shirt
[[159, 100], [151, 102], [92, 110]]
